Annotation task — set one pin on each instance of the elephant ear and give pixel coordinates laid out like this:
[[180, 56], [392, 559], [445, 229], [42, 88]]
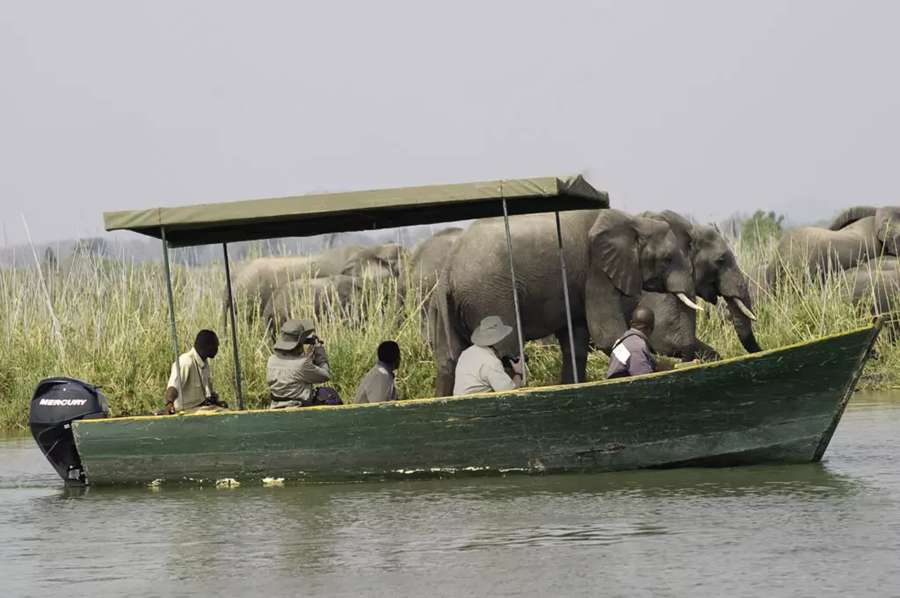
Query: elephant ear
[[682, 228], [614, 250]]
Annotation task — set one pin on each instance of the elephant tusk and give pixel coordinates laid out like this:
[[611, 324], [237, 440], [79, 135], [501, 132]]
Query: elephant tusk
[[744, 309], [684, 299]]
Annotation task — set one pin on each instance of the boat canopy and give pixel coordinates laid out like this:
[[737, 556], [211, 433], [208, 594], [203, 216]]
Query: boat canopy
[[309, 215]]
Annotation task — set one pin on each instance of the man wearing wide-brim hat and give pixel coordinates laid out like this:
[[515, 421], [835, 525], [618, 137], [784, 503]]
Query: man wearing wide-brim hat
[[298, 363], [479, 368]]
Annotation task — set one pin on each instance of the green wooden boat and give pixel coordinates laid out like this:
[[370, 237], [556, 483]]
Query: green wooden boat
[[778, 406]]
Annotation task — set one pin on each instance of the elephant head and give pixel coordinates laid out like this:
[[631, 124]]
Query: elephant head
[[376, 262], [887, 227], [332, 261], [632, 254], [640, 254], [716, 272]]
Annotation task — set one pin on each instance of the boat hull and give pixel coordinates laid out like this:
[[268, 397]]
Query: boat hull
[[778, 406]]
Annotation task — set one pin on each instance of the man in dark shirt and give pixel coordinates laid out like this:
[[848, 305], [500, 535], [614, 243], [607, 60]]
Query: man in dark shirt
[[632, 354], [379, 384]]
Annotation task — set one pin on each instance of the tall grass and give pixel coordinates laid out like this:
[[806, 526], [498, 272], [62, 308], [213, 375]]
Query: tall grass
[[114, 331], [802, 307]]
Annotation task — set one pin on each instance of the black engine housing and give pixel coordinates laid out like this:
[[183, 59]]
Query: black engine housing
[[56, 403]]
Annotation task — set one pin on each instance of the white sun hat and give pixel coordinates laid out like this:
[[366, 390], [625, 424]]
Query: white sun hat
[[491, 331]]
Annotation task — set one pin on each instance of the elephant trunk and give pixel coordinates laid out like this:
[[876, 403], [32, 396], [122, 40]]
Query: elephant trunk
[[734, 287], [743, 323]]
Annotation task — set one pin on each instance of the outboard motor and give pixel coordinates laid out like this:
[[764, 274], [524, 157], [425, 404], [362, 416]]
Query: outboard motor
[[56, 403]]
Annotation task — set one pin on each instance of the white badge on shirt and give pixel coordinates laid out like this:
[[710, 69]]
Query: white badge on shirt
[[621, 353]]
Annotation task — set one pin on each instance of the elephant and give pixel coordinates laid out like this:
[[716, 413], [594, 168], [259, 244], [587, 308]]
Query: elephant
[[425, 263], [259, 278], [332, 262], [376, 262], [822, 250], [338, 293], [345, 272], [716, 274], [428, 256], [880, 281], [887, 224], [610, 258]]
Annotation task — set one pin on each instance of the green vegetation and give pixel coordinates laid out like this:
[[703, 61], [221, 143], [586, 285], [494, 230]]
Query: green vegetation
[[108, 323], [761, 229]]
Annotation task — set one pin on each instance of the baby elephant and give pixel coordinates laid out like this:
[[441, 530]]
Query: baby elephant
[[324, 295], [880, 281]]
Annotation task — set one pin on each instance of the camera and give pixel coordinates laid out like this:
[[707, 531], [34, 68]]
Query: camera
[[509, 360], [313, 340]]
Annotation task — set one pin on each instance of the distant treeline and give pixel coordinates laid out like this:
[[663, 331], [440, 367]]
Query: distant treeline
[[140, 250], [760, 226]]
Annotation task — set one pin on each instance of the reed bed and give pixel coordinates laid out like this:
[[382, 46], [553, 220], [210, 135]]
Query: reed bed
[[107, 322]]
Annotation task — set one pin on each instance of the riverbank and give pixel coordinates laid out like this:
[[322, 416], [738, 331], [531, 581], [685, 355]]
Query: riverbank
[[108, 323]]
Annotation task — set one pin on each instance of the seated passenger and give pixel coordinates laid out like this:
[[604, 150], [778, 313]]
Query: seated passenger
[[379, 385], [632, 354], [479, 368], [299, 362], [196, 391]]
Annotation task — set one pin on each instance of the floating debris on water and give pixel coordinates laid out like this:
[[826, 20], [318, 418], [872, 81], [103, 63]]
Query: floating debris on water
[[227, 483], [273, 481]]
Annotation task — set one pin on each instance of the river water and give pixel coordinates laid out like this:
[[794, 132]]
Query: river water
[[831, 529]]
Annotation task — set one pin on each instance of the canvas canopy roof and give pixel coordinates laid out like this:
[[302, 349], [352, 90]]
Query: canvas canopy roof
[[309, 215]]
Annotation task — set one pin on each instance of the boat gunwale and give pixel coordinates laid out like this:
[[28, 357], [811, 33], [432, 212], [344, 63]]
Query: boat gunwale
[[875, 325]]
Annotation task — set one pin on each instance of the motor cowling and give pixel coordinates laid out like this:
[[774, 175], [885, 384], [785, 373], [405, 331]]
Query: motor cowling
[[56, 403]]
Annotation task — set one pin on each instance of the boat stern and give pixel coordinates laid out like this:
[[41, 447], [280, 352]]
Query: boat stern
[[56, 403]]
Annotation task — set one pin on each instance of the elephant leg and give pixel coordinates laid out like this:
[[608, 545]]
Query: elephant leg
[[443, 384], [448, 342], [608, 320], [582, 340], [704, 352]]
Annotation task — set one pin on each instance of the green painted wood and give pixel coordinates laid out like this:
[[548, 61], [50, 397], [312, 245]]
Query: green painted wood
[[773, 407]]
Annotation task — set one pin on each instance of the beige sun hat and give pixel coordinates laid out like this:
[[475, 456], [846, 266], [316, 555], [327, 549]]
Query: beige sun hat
[[491, 331], [293, 332]]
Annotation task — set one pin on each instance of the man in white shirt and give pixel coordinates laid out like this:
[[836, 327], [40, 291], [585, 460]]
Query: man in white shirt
[[479, 368]]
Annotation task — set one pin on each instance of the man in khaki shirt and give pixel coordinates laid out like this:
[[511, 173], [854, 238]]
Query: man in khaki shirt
[[196, 382], [299, 361], [479, 368], [378, 385]]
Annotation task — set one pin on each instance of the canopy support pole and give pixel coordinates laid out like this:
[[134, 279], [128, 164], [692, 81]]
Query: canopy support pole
[[165, 248], [238, 387], [565, 282], [512, 272]]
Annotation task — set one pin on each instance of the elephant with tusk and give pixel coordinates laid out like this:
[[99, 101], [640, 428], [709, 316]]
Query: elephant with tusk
[[611, 258], [716, 274]]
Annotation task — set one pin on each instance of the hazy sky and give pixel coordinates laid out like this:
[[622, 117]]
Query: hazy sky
[[708, 107]]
